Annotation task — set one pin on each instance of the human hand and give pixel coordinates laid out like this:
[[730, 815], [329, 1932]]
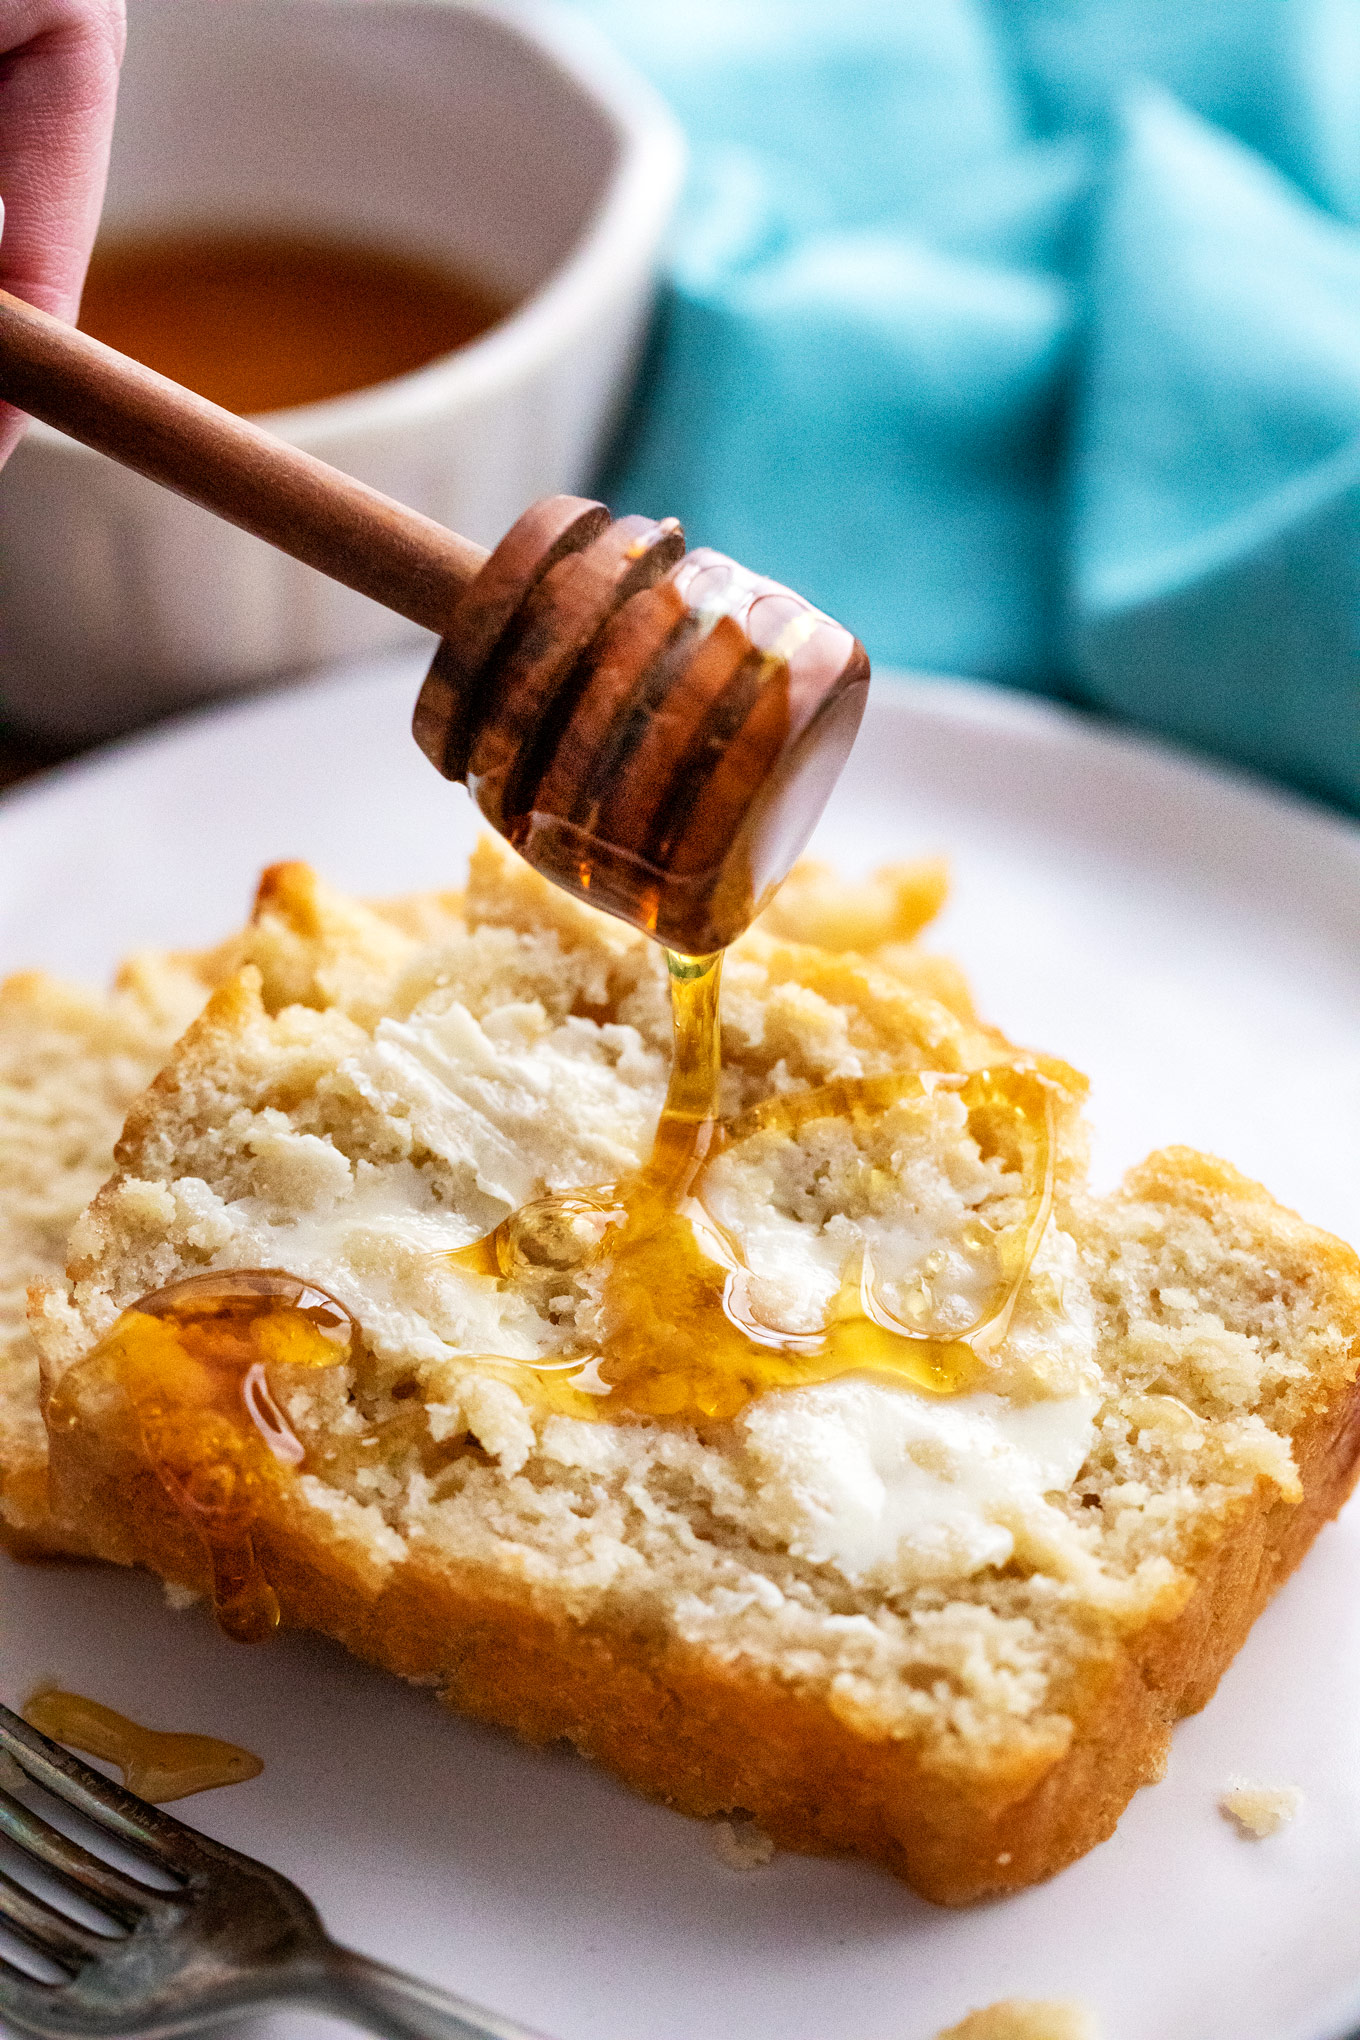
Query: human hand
[[58, 82]]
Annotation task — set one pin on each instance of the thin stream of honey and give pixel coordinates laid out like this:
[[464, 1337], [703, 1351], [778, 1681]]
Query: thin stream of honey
[[157, 1764], [564, 1229]]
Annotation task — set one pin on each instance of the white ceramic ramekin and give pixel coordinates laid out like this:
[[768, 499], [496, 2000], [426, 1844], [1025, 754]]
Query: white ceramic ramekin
[[509, 140]]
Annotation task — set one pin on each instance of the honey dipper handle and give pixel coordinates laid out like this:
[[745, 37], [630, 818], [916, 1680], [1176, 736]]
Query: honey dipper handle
[[286, 497]]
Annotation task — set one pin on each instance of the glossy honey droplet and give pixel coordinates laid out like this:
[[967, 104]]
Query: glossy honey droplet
[[192, 1364], [157, 1764], [680, 1339]]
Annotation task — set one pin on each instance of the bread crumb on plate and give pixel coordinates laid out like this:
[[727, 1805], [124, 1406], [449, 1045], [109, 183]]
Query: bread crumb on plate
[[1259, 1810], [1026, 2019], [742, 1845]]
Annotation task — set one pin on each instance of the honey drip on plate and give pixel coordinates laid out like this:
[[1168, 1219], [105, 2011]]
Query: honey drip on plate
[[156, 1764], [193, 1363], [680, 1339]]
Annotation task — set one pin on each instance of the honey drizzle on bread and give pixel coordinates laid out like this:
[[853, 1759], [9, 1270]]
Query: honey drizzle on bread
[[682, 1341], [196, 1363], [73, 1060], [192, 1362]]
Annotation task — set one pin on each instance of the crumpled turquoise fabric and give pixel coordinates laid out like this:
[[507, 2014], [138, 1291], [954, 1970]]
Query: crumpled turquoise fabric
[[1025, 338]]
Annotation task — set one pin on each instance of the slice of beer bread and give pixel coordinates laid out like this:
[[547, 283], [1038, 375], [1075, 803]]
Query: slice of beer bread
[[947, 1633], [72, 1060]]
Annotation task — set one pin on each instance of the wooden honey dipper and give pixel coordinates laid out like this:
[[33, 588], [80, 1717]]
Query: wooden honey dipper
[[656, 730]]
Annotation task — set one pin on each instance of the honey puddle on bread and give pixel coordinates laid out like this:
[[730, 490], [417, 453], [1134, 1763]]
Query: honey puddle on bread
[[156, 1764], [680, 1338], [193, 1362]]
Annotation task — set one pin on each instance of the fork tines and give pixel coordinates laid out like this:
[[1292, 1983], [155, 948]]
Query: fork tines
[[118, 1812], [120, 1895], [73, 1868]]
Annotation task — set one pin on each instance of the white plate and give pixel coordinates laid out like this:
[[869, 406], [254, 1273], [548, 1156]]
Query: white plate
[[1191, 941]]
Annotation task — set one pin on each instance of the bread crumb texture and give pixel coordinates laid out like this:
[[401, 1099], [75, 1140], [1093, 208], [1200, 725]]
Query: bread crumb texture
[[1026, 2019], [950, 1634], [1260, 1810]]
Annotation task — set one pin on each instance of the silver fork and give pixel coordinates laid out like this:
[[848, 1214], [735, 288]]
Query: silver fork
[[228, 1936]]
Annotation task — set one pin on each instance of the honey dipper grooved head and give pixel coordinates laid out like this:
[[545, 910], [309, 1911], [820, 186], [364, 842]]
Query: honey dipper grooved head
[[656, 730]]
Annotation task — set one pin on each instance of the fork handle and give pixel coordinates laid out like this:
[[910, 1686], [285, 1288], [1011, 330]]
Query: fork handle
[[288, 498], [400, 2007]]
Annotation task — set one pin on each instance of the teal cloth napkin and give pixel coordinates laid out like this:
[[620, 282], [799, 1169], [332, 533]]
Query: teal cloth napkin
[[1025, 338]]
